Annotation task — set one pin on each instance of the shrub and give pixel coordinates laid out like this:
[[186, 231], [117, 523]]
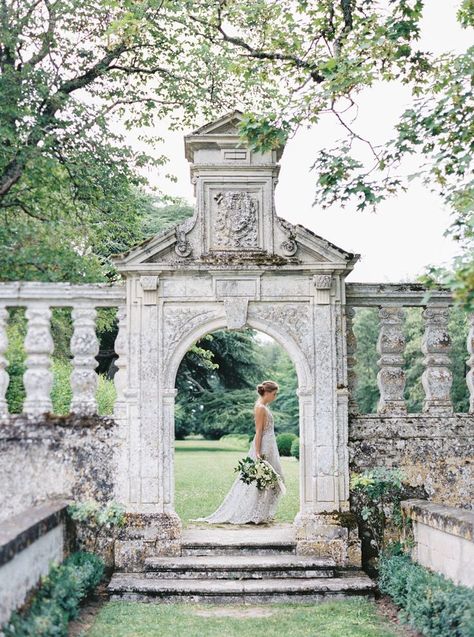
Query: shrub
[[295, 448], [241, 441], [284, 442], [430, 603], [377, 494], [57, 600]]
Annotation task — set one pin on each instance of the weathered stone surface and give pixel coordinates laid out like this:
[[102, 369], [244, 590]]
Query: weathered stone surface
[[28, 543], [444, 539], [434, 452], [53, 458], [147, 535]]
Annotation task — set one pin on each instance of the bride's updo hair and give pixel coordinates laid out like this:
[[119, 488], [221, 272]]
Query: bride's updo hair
[[267, 385]]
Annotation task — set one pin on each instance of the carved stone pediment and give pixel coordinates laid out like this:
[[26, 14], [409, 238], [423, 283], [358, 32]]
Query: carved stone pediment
[[235, 222]]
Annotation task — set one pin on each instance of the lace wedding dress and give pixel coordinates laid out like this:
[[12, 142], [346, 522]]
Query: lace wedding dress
[[245, 503]]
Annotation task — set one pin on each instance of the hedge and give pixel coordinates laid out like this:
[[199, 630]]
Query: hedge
[[295, 448], [57, 600], [284, 442], [429, 602]]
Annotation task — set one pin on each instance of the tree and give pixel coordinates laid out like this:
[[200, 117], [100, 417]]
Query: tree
[[308, 58], [68, 70]]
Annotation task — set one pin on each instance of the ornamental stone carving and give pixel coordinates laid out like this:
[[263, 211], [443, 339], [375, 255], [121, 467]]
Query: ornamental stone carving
[[391, 346], [470, 362], [183, 247], [178, 323], [149, 286], [236, 221], [4, 376], [84, 347], [323, 284], [292, 319], [436, 346], [38, 378]]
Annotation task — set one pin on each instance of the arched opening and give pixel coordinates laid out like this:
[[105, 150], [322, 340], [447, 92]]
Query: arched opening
[[213, 417]]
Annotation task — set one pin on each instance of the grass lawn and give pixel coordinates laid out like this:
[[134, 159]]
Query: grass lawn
[[204, 473], [352, 618]]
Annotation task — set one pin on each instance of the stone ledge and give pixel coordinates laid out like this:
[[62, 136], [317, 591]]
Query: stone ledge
[[16, 426], [19, 532], [451, 520], [419, 425]]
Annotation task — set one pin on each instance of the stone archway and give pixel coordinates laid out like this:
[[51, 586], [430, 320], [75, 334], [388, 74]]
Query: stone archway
[[304, 381], [235, 263]]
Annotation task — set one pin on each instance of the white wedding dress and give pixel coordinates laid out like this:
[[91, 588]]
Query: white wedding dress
[[245, 503]]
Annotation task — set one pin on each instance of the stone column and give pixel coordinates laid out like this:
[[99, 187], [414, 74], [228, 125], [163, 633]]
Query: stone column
[[436, 345], [84, 347], [351, 344], [390, 346], [470, 362], [4, 376], [38, 378]]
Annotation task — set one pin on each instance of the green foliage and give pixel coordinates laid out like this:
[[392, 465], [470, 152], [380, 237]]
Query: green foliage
[[430, 603], [284, 443], [106, 395], [97, 525], [16, 357], [241, 441], [295, 448], [58, 598], [366, 327], [376, 496]]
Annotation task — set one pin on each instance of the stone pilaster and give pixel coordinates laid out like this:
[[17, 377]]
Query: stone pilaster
[[120, 377], [436, 345], [38, 378], [470, 362], [390, 346], [4, 376], [84, 347], [351, 344]]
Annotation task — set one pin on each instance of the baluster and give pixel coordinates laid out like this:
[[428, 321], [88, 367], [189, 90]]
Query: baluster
[[120, 346], [351, 347], [390, 346], [470, 362], [4, 376], [84, 347], [436, 345], [38, 378]]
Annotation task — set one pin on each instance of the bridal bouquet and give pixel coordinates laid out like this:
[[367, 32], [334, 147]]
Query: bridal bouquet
[[260, 472]]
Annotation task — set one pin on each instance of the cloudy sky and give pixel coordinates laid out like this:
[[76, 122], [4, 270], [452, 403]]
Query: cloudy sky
[[406, 233]]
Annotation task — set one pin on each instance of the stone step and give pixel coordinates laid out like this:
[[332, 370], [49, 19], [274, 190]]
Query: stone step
[[239, 567], [243, 548], [137, 587]]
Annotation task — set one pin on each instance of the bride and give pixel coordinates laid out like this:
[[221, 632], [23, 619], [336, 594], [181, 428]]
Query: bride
[[245, 503]]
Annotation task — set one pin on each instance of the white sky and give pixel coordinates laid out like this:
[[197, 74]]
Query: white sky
[[406, 233]]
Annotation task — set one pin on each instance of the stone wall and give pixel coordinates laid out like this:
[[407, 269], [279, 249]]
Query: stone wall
[[29, 542], [435, 453], [444, 539], [54, 458]]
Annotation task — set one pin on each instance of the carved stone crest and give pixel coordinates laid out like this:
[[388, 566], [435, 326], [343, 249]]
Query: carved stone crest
[[236, 220]]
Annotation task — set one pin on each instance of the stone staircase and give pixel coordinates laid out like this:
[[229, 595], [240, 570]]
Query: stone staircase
[[239, 566]]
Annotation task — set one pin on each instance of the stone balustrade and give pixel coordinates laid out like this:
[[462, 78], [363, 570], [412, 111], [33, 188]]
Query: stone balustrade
[[39, 299], [391, 301]]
